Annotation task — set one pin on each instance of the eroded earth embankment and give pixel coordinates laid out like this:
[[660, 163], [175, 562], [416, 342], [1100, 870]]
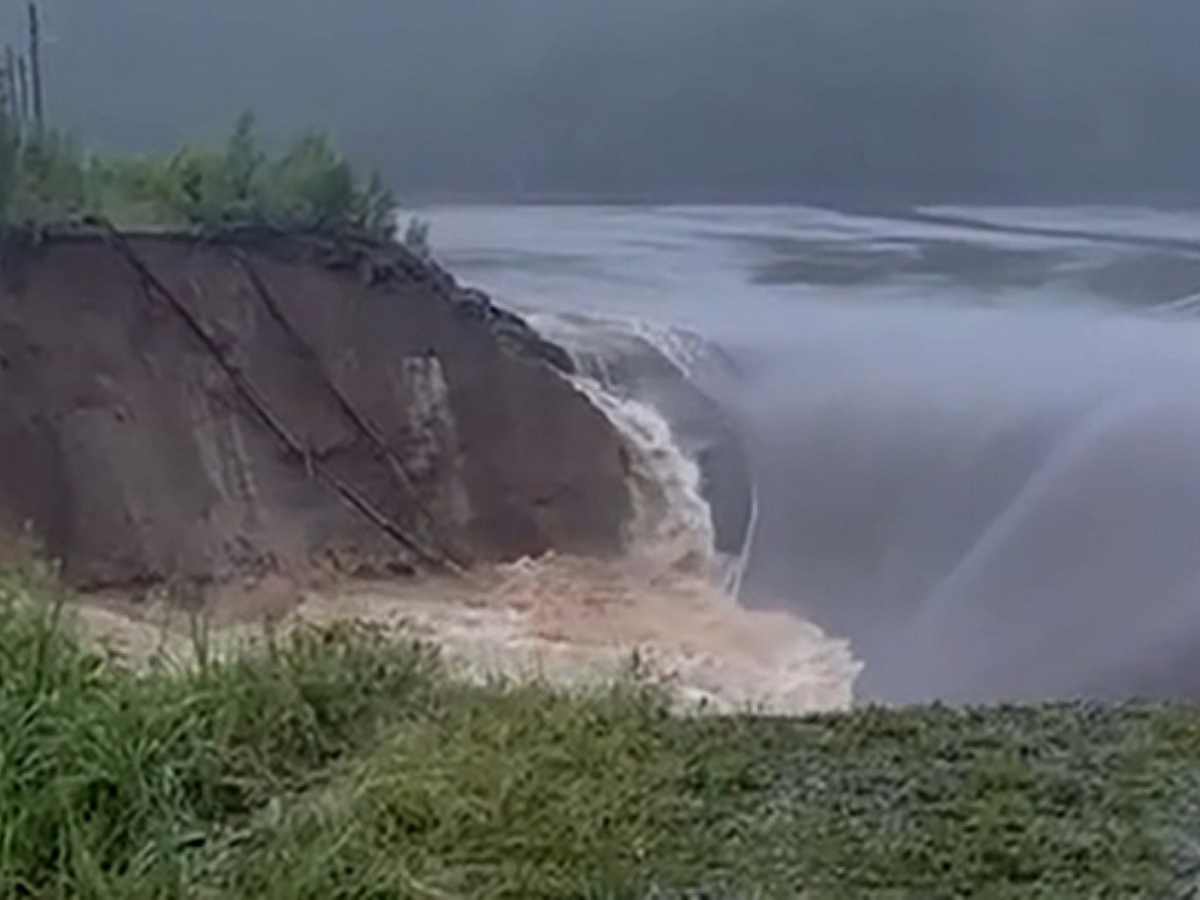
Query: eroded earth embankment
[[287, 423], [172, 408]]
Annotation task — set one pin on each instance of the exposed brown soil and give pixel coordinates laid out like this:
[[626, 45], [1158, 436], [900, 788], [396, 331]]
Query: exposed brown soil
[[174, 409]]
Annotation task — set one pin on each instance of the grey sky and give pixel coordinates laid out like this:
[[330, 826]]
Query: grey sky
[[674, 97]]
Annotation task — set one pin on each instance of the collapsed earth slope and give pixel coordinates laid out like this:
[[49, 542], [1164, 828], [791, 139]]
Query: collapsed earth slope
[[179, 408]]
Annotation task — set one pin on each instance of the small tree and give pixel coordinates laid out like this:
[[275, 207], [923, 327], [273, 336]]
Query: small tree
[[377, 210], [197, 189]]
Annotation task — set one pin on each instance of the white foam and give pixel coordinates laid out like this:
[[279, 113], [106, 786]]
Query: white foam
[[672, 522]]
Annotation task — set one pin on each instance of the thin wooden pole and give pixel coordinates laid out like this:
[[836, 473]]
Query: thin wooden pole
[[35, 63]]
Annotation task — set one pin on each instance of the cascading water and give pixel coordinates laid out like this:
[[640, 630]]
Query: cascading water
[[682, 574], [962, 448], [671, 521], [645, 380]]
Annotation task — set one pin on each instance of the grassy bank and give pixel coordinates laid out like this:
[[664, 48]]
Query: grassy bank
[[344, 764]]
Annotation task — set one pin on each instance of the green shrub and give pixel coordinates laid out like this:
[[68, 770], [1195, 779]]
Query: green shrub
[[310, 186]]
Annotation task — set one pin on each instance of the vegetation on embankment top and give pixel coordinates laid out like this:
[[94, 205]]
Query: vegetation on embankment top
[[47, 180], [343, 763]]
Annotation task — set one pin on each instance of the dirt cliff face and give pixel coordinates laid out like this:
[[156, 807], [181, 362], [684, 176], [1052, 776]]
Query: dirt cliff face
[[177, 408]]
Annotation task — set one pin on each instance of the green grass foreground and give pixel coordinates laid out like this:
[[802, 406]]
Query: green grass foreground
[[344, 764]]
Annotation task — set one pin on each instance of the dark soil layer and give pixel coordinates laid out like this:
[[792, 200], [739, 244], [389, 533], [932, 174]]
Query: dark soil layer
[[187, 409]]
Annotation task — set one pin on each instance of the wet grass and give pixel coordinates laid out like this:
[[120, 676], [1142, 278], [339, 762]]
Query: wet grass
[[340, 763]]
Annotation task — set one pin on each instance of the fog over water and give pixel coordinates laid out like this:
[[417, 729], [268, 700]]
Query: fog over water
[[976, 450]]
